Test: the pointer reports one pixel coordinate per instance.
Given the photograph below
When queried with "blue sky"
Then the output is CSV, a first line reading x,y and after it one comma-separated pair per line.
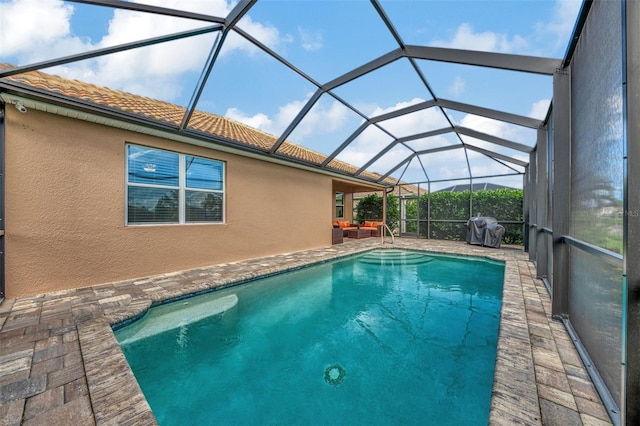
x,y
324,39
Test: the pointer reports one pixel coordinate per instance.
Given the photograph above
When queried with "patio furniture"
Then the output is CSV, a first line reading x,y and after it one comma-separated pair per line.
x,y
345,225
337,236
373,226
359,233
484,231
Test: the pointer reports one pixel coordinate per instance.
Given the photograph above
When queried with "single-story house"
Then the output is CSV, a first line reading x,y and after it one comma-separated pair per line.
x,y
90,199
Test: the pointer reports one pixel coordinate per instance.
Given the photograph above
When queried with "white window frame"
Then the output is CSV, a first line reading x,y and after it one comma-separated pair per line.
x,y
182,189
339,205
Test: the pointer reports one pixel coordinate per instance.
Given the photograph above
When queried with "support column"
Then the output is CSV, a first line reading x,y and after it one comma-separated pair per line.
x,y
533,213
428,210
548,239
561,198
542,188
631,104
525,208
2,228
471,197
385,194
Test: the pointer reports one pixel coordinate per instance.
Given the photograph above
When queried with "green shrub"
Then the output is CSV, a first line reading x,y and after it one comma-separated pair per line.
x,y
446,205
370,208
502,204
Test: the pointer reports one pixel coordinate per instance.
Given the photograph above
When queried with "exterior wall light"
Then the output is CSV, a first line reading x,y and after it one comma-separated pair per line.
x,y
20,107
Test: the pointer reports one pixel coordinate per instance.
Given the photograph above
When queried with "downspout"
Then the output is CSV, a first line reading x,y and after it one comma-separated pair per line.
x,y
384,205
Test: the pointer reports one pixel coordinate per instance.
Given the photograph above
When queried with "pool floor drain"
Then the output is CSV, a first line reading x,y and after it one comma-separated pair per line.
x,y
334,374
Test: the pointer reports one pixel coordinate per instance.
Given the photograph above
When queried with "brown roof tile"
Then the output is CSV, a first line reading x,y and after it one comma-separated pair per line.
x,y
204,122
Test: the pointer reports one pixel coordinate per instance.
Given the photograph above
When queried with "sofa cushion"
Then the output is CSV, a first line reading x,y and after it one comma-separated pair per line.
x,y
371,224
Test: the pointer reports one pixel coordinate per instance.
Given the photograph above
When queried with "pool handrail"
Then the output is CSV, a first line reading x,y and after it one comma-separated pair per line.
x,y
385,226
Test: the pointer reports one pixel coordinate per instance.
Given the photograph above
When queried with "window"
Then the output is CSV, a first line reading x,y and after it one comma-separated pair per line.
x,y
168,187
339,205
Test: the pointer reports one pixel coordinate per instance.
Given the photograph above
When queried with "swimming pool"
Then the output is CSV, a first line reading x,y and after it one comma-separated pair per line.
x,y
388,337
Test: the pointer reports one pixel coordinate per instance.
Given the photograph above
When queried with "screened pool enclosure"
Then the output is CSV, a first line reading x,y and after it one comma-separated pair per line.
x,y
377,102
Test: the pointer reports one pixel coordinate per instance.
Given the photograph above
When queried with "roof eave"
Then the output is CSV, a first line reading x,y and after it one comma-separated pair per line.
x,y
53,103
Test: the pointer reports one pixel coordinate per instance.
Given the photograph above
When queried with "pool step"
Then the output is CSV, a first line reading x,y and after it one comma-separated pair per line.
x,y
395,258
185,314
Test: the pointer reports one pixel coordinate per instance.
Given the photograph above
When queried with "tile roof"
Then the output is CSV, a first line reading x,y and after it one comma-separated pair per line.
x,y
165,112
402,189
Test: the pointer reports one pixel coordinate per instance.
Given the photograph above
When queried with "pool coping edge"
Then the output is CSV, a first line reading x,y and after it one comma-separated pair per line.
x,y
503,404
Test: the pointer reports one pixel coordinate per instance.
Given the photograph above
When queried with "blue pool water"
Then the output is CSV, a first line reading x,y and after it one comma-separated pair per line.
x,y
384,338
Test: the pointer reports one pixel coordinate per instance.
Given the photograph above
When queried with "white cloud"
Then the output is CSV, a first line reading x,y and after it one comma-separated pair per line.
x,y
378,110
323,118
539,109
485,125
266,34
488,41
446,165
449,164
453,164
482,165
553,33
36,30
372,140
155,71
457,86
311,41
257,121
539,40
368,144
562,21
417,122
499,129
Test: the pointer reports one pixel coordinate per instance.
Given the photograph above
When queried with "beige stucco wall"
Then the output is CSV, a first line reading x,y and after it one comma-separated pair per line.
x,y
65,209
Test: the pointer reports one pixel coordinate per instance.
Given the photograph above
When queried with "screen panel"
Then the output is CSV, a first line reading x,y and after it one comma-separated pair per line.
x,y
595,287
595,312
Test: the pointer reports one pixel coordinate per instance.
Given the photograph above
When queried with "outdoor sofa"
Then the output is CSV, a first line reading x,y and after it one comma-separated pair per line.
x,y
346,226
374,227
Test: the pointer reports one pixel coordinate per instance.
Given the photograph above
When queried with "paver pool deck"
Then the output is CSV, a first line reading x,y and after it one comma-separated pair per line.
x,y
60,363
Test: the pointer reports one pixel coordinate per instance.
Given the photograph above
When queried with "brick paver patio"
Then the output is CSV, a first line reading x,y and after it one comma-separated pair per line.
x,y
61,365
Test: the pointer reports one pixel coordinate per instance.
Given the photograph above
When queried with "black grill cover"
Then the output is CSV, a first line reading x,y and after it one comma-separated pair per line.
x,y
484,231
